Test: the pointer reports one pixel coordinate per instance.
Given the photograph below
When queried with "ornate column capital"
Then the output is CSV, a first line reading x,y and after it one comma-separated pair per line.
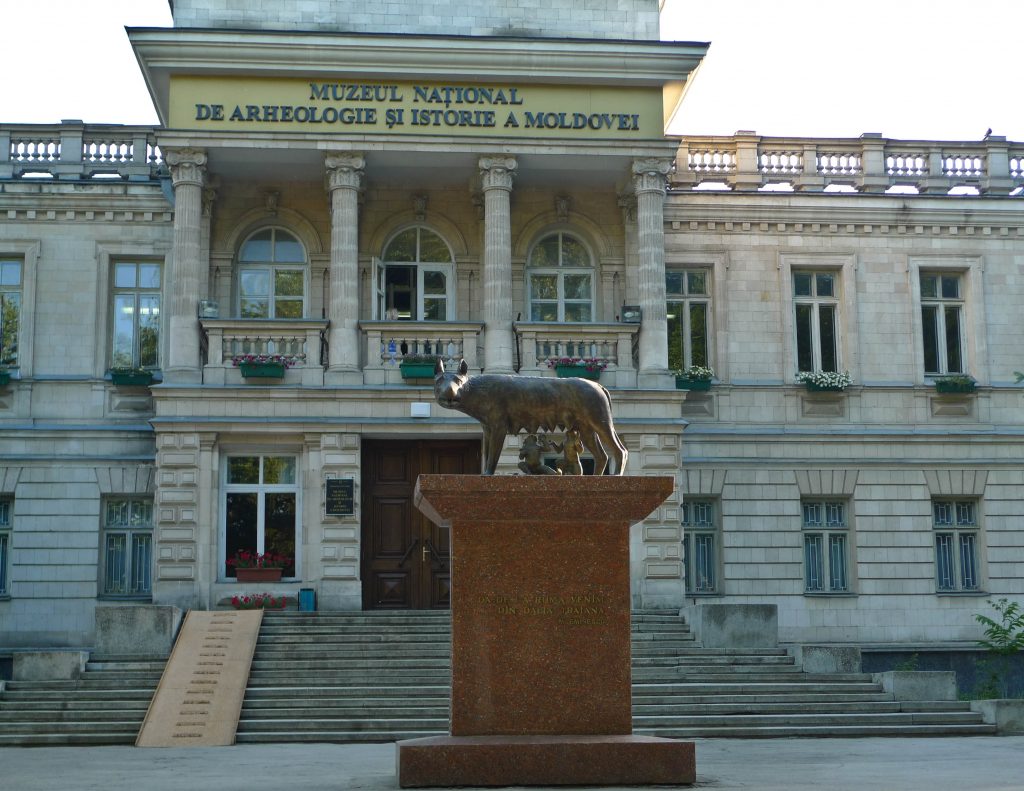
x,y
497,172
649,175
344,170
187,165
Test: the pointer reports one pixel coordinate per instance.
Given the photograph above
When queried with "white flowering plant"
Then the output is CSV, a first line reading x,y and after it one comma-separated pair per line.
x,y
696,373
261,359
830,379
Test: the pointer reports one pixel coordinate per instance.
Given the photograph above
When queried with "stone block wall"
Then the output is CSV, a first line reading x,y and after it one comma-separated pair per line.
x,y
600,19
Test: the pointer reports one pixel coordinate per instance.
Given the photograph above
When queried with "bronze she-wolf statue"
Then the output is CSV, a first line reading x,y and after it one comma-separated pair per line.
x,y
509,404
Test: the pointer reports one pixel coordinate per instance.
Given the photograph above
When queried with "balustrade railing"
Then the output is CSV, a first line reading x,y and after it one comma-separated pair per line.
x,y
611,344
869,163
73,150
387,343
302,341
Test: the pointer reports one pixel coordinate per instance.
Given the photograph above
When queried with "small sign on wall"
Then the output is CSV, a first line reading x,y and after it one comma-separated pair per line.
x,y
341,496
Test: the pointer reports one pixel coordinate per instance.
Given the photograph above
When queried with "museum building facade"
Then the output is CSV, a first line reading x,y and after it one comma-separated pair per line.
x,y
340,193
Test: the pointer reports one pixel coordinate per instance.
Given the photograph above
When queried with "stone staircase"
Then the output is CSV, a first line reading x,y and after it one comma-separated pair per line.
x,y
105,706
384,676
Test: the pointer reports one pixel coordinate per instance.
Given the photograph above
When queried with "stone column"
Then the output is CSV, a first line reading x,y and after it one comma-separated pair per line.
x,y
496,180
188,170
344,178
649,185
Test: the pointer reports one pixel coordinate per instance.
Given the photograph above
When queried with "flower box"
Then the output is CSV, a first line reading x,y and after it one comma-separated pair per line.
x,y
816,388
267,370
131,378
685,383
5,378
417,370
946,386
258,574
570,369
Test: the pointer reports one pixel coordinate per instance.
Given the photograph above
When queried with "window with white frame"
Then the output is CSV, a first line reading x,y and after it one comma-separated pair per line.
x,y
260,508
816,320
689,315
6,506
560,280
942,323
415,277
127,546
136,321
956,545
826,542
272,276
11,271
700,546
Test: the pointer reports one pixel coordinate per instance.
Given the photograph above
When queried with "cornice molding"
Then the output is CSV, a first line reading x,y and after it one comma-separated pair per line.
x,y
165,51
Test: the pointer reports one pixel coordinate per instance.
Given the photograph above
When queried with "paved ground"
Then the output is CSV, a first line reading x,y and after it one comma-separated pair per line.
x,y
943,764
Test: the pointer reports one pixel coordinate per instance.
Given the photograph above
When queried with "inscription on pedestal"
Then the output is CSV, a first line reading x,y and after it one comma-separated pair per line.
x,y
571,609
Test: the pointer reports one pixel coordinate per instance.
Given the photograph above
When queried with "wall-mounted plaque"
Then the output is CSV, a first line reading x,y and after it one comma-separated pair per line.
x,y
341,496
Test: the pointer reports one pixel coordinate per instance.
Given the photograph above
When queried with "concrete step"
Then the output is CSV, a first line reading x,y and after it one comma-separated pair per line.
x,y
96,738
293,709
310,725
333,737
255,692
767,720
641,710
121,714
806,731
140,703
125,668
75,727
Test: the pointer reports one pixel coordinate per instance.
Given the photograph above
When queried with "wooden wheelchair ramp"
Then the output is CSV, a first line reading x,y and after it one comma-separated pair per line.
x,y
199,699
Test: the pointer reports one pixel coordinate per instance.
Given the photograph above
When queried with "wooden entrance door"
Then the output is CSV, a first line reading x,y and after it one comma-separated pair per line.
x,y
406,558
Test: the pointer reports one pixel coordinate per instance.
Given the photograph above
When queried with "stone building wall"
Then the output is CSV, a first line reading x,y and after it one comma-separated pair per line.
x,y
609,19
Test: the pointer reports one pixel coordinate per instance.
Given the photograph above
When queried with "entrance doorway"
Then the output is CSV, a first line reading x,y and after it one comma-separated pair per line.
x,y
406,563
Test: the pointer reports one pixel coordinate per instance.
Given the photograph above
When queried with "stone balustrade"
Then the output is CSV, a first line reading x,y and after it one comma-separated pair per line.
x,y
387,343
302,341
73,150
540,342
870,163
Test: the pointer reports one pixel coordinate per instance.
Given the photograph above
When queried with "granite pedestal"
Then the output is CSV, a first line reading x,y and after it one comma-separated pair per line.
x,y
541,687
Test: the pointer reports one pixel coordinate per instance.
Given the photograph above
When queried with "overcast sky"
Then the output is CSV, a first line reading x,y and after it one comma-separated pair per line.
x,y
912,69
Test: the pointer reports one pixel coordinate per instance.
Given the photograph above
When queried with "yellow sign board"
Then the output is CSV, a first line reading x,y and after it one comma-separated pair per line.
x,y
251,104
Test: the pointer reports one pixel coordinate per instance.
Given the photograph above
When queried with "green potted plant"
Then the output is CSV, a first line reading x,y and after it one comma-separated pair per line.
x,y
127,376
258,567
696,377
418,366
262,366
955,383
582,367
825,381
5,377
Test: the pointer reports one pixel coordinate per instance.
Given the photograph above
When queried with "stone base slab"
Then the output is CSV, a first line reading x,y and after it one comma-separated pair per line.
x,y
445,761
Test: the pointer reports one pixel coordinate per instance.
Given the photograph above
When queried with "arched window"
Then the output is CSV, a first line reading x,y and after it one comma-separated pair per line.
x,y
414,279
272,276
560,280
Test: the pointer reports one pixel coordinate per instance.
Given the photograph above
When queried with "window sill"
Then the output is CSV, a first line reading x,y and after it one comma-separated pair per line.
x,y
139,599
5,597
832,594
704,595
963,594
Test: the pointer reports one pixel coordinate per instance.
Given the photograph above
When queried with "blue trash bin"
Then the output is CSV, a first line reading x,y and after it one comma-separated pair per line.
x,y
307,600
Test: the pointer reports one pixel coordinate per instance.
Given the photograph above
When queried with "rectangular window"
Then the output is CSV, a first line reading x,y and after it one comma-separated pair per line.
x,y
5,546
826,534
136,322
816,307
689,314
956,545
700,541
260,508
942,329
10,310
127,546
